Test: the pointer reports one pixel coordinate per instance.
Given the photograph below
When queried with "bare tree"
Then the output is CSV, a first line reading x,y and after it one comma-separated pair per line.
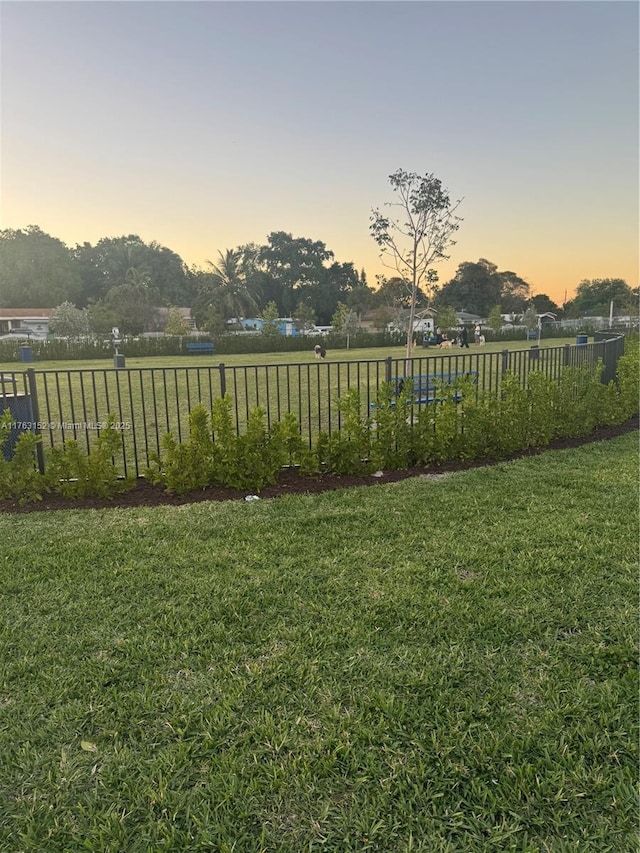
x,y
420,236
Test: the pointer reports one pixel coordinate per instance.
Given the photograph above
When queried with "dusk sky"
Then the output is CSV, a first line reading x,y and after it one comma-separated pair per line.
x,y
205,125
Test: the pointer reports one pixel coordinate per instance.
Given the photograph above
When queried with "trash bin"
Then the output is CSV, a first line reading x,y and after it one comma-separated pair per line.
x,y
22,415
25,354
118,361
582,339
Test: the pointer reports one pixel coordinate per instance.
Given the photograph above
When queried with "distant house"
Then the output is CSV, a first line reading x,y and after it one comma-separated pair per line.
x,y
464,318
285,325
374,319
423,321
185,314
34,320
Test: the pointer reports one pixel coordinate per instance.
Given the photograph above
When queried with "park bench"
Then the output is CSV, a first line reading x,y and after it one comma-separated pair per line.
x,y
424,389
199,347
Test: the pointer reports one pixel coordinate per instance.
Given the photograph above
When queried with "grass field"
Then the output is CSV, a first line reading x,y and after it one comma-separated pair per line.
x,y
435,665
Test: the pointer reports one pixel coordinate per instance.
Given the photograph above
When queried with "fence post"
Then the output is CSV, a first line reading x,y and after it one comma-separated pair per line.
x,y
35,408
566,355
387,369
505,361
223,379
612,350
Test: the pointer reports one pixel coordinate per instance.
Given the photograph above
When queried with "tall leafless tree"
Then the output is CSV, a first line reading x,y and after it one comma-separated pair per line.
x,y
419,237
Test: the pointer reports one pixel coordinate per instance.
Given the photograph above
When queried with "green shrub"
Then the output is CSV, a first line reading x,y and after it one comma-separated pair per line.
x,y
214,454
72,472
184,467
628,379
392,429
348,450
20,479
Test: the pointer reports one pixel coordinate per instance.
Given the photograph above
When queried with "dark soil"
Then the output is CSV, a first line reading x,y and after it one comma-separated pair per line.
x,y
291,483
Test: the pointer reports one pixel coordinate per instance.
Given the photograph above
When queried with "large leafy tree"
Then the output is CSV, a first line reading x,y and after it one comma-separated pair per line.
x,y
332,287
288,270
93,276
514,292
36,270
396,293
594,296
102,318
421,234
293,265
478,287
544,304
228,286
134,303
108,263
361,297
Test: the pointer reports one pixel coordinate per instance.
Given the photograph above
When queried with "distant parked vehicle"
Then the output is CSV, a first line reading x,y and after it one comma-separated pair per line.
x,y
21,335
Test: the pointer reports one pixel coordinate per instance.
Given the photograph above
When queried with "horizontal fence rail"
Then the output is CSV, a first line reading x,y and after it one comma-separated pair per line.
x,y
148,402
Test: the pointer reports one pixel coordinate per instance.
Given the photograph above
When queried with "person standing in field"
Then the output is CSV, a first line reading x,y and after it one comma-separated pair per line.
x,y
464,338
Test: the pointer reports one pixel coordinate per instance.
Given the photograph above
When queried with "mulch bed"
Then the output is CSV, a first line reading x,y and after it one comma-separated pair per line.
x,y
291,483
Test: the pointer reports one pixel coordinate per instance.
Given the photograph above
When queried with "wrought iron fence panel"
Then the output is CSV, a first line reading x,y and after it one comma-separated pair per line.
x,y
148,402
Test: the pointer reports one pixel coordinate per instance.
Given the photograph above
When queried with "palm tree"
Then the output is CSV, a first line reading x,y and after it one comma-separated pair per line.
x,y
231,289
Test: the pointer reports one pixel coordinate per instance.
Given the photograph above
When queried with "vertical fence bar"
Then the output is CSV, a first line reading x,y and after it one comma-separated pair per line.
x,y
163,375
154,398
133,424
121,419
145,428
35,410
268,393
505,361
309,404
84,410
278,410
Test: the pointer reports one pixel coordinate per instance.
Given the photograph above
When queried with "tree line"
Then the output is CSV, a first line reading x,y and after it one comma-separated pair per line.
x,y
125,282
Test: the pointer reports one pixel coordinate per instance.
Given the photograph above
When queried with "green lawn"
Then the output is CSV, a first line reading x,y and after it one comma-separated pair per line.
x,y
435,665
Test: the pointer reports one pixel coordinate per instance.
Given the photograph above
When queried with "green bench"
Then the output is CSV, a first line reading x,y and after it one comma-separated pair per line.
x,y
200,347
424,389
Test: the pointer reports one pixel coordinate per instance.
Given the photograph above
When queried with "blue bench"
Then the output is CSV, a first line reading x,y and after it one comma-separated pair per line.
x,y
199,348
424,389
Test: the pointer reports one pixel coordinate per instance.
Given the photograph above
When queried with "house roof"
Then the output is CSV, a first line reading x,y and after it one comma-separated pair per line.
x,y
465,316
25,313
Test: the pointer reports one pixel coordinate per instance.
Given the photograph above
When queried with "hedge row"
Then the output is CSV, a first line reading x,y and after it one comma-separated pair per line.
x,y
65,350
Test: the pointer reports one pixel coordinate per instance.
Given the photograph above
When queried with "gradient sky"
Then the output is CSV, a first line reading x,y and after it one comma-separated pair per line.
x,y
206,125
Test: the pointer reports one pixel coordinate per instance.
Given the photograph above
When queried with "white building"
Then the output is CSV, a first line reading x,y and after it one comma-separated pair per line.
x,y
34,320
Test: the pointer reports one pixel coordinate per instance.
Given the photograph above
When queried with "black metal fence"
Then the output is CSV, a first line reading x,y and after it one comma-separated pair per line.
x,y
148,402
